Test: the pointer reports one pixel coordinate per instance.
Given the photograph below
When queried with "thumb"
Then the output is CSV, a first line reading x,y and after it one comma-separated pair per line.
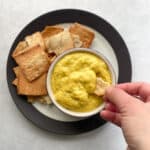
x,y
119,98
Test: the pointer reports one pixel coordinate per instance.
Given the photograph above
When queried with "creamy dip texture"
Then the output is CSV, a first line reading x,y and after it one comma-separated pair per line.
x,y
73,81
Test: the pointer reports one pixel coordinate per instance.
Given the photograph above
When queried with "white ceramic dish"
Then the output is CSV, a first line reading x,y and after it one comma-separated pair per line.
x,y
50,92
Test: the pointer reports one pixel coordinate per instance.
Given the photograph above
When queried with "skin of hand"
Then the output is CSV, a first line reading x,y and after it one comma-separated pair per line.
x,y
128,106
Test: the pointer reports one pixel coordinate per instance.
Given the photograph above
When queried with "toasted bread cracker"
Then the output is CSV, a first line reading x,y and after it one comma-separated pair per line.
x,y
86,36
15,82
60,42
21,47
42,99
35,39
35,88
46,100
33,62
101,86
51,30
32,99
76,40
16,70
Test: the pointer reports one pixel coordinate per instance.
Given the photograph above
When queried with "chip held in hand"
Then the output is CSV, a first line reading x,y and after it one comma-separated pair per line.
x,y
101,86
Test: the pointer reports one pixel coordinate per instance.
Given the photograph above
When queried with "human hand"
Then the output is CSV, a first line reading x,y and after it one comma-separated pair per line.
x,y
124,109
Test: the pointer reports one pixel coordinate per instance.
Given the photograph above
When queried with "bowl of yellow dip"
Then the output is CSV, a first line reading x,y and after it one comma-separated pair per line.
x,y
71,81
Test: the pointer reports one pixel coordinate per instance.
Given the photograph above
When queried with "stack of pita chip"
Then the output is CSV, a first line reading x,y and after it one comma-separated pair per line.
x,y
35,54
33,63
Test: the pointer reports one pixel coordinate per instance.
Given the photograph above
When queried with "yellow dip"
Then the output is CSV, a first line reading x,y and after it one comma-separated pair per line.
x,y
73,81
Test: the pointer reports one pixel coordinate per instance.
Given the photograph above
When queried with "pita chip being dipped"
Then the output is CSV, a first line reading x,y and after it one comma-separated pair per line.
x,y
101,86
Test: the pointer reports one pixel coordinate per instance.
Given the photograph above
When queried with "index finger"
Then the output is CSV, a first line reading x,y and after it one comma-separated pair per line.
x,y
119,98
136,88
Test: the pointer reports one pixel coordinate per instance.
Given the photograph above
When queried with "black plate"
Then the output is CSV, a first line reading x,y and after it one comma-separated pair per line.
x,y
66,16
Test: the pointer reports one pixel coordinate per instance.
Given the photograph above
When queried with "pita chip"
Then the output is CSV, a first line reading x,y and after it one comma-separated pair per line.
x,y
101,86
35,39
33,62
85,34
60,42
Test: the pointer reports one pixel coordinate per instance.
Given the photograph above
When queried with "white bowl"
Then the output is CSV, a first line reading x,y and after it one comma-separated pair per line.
x,y
50,92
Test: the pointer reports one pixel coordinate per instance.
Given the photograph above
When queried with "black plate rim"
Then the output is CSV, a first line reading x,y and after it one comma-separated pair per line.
x,y
79,126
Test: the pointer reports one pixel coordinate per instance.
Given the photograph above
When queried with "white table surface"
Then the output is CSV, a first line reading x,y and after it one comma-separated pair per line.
x,y
130,17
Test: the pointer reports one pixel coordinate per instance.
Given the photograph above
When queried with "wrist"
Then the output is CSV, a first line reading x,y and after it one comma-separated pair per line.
x,y
144,146
140,146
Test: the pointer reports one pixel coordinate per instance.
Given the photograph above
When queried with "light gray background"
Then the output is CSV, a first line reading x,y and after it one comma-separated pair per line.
x,y
130,17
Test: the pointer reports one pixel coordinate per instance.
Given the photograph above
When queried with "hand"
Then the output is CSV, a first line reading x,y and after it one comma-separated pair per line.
x,y
128,106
